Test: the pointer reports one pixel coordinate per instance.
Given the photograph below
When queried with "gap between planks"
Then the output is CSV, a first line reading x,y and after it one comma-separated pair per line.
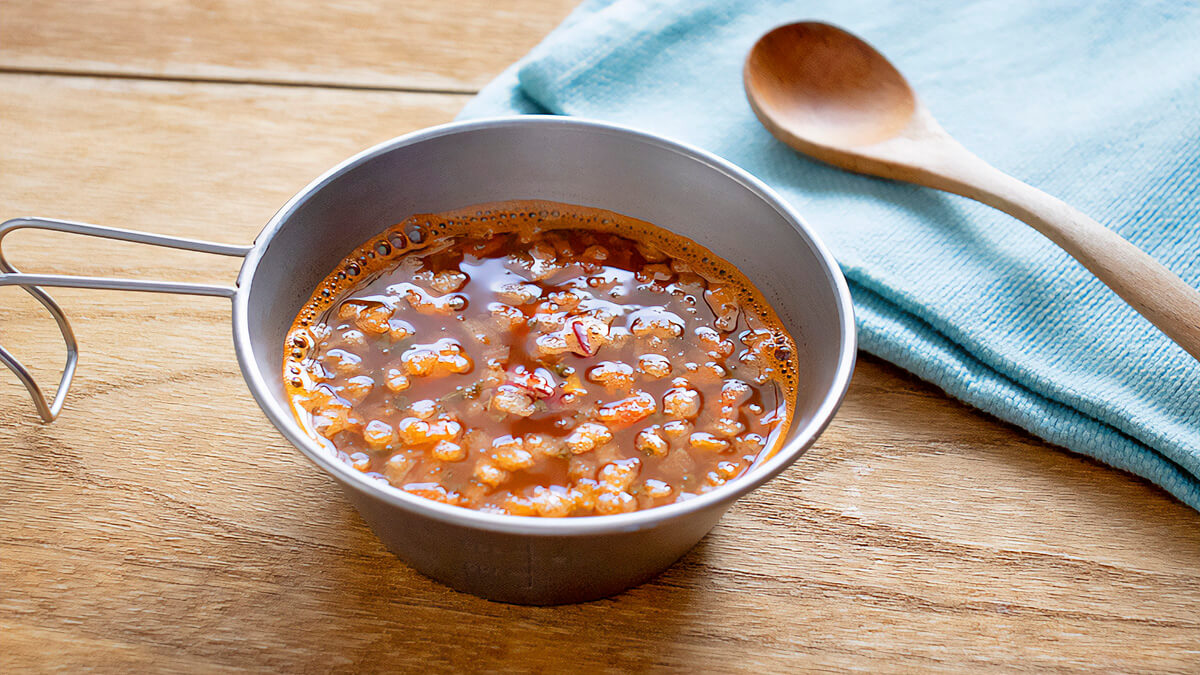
x,y
306,84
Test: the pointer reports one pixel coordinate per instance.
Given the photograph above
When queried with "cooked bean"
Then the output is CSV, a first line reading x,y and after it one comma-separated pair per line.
x,y
489,473
448,451
396,381
637,406
611,503
706,441
551,503
399,329
355,389
587,437
617,476
727,428
676,430
544,445
378,434
360,461
683,404
510,454
519,294
513,401
448,281
374,319
654,366
423,409
611,374
657,489
750,443
651,442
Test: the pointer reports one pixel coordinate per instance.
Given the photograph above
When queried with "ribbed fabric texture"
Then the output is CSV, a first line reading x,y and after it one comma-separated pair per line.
x,y
1095,102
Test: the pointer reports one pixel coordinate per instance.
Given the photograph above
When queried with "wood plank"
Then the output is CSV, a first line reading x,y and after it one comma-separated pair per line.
x,y
162,522
455,46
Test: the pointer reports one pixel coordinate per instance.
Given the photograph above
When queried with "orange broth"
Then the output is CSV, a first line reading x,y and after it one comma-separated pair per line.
x,y
541,359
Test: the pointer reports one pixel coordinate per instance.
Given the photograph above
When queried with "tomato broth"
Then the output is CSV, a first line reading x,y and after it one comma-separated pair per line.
x,y
541,359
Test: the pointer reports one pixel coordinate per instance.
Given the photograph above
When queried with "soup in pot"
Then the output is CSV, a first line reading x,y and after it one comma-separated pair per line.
x,y
541,359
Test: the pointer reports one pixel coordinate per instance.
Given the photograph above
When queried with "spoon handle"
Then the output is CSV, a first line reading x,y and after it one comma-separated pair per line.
x,y
1149,287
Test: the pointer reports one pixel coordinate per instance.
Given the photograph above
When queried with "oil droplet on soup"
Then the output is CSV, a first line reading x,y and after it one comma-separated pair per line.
x,y
540,359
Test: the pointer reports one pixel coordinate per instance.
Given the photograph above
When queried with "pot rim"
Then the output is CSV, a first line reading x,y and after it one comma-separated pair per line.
x,y
284,420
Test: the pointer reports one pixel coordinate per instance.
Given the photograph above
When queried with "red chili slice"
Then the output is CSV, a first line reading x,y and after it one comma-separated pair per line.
x,y
581,336
539,384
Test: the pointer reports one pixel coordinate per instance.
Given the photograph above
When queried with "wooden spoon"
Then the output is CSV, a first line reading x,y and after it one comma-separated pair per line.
x,y
833,97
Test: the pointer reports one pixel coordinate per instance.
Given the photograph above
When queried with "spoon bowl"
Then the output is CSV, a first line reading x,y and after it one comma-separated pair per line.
x,y
833,97
831,87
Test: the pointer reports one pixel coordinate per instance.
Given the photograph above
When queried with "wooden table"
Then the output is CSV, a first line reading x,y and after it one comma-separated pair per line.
x,y
163,524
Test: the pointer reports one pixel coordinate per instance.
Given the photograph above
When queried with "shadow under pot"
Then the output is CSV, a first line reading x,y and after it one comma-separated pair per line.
x,y
680,188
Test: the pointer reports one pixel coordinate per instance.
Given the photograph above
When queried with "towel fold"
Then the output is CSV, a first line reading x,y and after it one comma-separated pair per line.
x,y
1097,103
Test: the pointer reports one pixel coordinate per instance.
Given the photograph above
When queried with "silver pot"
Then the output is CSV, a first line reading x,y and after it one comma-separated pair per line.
x,y
681,188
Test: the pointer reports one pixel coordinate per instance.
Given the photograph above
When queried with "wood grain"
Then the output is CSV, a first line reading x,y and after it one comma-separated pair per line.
x,y
455,46
163,525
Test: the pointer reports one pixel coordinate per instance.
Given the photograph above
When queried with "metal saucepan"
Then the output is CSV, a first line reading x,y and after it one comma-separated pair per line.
x,y
681,188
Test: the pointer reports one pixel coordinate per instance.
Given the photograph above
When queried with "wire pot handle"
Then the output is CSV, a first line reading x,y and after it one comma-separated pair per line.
x,y
32,283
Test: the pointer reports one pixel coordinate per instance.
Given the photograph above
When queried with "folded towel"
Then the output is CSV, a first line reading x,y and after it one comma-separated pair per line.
x,y
1097,103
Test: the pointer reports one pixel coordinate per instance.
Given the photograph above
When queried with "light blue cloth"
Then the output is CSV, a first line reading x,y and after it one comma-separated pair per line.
x,y
1096,102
